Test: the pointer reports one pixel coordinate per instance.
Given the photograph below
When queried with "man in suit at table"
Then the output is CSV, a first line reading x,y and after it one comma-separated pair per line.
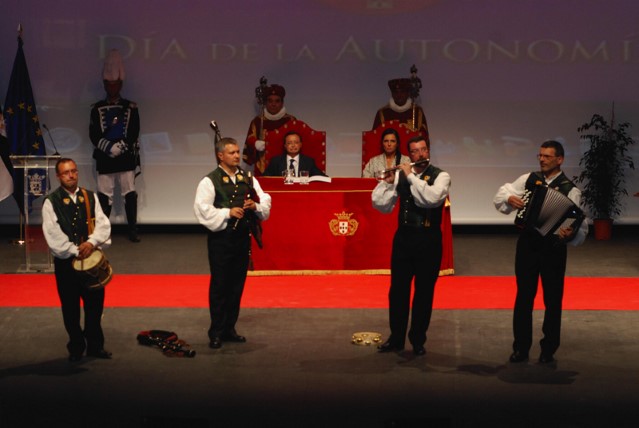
x,y
292,159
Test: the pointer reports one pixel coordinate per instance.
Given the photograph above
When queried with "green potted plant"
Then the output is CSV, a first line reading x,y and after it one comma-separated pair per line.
x,y
604,164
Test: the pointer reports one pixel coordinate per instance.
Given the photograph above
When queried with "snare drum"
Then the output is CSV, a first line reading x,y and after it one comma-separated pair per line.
x,y
96,268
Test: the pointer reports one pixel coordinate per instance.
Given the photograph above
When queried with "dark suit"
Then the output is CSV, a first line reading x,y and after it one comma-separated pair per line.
x,y
279,164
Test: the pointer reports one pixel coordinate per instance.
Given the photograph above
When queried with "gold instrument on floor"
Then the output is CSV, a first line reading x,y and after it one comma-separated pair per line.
x,y
366,338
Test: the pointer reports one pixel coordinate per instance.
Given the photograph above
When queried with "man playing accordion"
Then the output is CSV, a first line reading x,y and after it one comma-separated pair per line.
x,y
540,256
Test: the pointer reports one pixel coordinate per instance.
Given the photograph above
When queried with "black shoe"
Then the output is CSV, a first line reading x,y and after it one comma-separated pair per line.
x,y
233,337
133,236
546,358
518,357
419,350
389,346
74,358
100,353
215,343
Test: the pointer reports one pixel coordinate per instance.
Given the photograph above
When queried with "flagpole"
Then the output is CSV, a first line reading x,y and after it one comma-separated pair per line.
x,y
20,240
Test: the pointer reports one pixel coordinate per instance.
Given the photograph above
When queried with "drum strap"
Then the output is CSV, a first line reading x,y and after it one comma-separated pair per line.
x,y
90,224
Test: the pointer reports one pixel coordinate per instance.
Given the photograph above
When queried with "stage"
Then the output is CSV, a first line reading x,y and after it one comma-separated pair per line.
x,y
299,367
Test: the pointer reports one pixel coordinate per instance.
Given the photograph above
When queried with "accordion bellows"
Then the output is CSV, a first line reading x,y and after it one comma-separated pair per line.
x,y
547,210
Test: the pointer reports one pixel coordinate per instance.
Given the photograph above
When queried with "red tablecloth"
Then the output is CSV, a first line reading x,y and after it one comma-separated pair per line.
x,y
330,226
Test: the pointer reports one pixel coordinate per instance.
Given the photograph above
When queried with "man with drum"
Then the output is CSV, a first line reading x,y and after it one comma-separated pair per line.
x,y
540,256
68,214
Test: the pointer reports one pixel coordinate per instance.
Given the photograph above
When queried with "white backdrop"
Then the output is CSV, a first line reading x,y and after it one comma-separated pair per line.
x,y
499,77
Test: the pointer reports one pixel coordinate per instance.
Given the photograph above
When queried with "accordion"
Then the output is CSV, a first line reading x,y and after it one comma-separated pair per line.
x,y
547,210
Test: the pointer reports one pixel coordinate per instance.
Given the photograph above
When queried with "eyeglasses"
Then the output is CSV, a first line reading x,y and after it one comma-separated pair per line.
x,y
546,157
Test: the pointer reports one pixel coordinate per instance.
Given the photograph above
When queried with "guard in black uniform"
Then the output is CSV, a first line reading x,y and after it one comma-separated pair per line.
x,y
114,132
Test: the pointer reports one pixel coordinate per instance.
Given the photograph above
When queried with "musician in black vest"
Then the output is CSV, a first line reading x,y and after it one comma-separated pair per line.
x,y
417,245
538,256
65,227
226,201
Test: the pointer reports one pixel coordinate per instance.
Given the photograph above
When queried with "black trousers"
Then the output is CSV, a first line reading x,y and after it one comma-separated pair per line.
x,y
72,290
546,258
228,261
417,254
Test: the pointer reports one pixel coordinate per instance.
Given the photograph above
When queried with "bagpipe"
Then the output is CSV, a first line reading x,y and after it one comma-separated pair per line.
x,y
167,341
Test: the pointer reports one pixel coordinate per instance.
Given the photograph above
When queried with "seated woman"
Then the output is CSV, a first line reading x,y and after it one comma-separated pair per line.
x,y
389,158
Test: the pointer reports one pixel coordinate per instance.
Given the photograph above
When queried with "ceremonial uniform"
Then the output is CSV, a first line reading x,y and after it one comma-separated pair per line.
x,y
273,117
250,154
404,115
65,227
416,252
400,108
114,131
229,241
115,123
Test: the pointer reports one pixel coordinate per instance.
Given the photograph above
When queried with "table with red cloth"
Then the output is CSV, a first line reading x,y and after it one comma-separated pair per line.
x,y
331,227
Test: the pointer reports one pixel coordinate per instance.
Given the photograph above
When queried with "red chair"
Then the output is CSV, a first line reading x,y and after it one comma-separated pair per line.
x,y
371,146
313,142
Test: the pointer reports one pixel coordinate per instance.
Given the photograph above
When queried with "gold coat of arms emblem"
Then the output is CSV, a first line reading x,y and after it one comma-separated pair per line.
x,y
343,225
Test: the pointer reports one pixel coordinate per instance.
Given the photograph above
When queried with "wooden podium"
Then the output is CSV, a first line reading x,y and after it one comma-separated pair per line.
x,y
36,176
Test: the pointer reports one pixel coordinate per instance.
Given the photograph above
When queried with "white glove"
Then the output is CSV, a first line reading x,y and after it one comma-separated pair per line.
x,y
260,145
117,149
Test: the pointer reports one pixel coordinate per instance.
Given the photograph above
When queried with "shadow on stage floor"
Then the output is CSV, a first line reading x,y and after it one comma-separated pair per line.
x,y
299,368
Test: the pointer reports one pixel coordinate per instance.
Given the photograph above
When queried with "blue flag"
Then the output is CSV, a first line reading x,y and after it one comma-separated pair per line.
x,y
23,130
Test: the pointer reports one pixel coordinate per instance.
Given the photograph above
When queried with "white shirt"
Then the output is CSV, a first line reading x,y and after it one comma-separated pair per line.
x,y
216,219
517,188
385,195
59,243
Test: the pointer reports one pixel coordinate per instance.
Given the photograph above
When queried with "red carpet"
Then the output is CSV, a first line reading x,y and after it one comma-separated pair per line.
x,y
331,291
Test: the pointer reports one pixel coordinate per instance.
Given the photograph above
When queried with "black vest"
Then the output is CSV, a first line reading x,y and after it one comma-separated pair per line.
x,y
561,183
230,195
72,217
409,213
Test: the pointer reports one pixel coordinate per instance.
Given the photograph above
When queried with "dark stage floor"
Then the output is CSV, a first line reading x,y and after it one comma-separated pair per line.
x,y
298,368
